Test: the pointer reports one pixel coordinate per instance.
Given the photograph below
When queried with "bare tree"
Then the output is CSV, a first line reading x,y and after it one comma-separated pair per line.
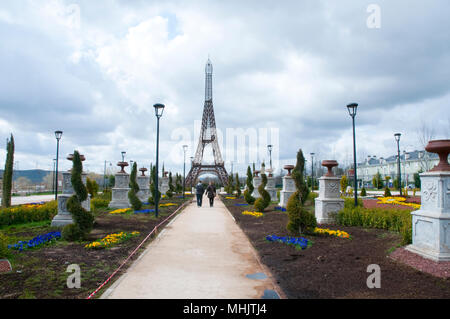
x,y
425,133
23,183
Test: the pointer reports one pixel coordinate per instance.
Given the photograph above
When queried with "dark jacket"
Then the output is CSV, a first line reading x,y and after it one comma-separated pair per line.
x,y
199,190
211,191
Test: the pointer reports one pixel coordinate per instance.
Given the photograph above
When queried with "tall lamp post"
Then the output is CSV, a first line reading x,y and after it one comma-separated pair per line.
x,y
352,111
58,135
269,148
184,168
159,109
53,176
312,172
397,138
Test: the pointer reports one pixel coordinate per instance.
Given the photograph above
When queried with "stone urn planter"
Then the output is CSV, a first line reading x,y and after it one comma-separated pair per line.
x,y
121,188
431,223
64,217
329,200
288,186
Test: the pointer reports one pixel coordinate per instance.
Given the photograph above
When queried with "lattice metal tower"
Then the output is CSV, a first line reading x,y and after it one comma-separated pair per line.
x,y
208,135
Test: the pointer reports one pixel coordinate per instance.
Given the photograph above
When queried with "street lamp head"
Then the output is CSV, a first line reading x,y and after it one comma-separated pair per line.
x,y
352,109
185,147
397,136
269,147
159,109
312,154
58,135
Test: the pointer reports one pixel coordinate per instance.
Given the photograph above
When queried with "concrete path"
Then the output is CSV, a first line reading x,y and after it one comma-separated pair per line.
x,y
19,200
201,254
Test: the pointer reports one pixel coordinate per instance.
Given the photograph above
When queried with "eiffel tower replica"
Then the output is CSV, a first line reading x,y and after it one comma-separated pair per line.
x,y
208,135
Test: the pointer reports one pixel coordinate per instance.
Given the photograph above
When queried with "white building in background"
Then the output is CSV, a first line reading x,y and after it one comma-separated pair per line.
x,y
410,163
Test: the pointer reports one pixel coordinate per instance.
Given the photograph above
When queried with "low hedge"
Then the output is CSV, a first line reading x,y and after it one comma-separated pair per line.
x,y
382,218
28,213
99,203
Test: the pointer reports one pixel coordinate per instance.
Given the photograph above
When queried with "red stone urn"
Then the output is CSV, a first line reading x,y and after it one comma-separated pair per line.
x,y
122,165
256,173
329,164
289,168
143,170
442,148
70,157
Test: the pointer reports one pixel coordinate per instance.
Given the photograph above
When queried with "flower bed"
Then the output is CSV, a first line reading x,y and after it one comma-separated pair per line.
x,y
33,212
36,241
144,211
337,233
297,242
240,204
230,197
111,240
254,214
281,209
120,211
167,205
397,201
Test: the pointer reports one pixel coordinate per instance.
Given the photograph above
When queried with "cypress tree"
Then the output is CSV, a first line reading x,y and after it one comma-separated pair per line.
x,y
8,173
249,190
134,189
151,199
238,186
83,220
262,202
171,189
300,220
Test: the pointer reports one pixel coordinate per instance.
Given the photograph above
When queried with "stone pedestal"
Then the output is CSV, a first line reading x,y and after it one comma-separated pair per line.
x,y
329,200
144,187
120,191
164,186
271,189
256,182
64,217
288,189
431,224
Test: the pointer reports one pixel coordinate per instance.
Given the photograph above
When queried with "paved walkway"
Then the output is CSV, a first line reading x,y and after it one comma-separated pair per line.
x,y
201,254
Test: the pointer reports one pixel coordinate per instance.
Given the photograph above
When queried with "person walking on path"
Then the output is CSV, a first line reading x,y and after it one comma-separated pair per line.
x,y
199,190
211,193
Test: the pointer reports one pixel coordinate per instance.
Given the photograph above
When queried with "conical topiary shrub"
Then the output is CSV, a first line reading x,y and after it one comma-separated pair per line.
x,y
238,186
250,188
83,220
300,219
262,202
134,189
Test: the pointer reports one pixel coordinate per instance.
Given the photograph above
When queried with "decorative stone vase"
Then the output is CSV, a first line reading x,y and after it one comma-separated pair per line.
x,y
288,186
431,223
270,187
256,182
164,186
329,200
121,188
143,182
64,217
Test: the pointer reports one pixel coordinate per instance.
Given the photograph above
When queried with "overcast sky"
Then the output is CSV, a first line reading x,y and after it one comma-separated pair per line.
x,y
93,69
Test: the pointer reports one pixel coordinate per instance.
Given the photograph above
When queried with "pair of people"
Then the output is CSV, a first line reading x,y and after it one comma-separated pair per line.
x,y
210,192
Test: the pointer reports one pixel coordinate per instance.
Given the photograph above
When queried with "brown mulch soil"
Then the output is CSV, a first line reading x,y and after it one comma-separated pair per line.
x,y
41,273
335,267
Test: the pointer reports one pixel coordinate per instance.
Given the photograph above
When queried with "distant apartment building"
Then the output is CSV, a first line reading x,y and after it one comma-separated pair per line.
x,y
410,163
